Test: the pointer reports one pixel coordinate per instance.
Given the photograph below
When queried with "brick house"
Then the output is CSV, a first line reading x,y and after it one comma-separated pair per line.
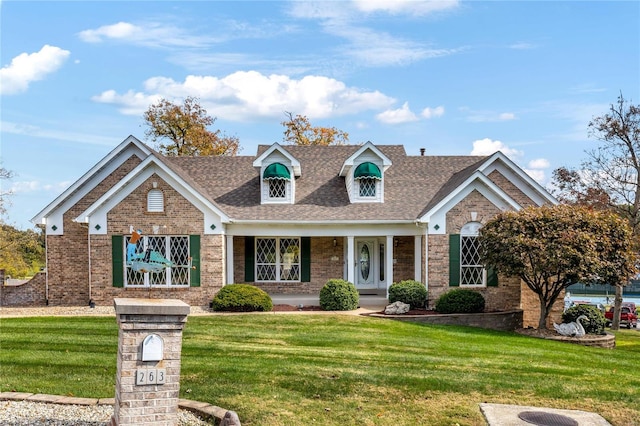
x,y
286,220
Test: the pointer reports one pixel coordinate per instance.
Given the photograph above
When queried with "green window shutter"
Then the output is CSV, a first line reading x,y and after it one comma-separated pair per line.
x,y
454,260
305,259
194,252
492,277
249,259
117,260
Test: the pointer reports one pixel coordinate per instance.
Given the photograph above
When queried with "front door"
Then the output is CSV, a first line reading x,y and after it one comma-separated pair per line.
x,y
366,264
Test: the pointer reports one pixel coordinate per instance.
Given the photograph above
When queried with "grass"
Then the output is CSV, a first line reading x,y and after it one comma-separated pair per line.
x,y
336,369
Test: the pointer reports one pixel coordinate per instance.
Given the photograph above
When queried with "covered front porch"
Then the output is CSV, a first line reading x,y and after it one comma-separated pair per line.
x,y
282,262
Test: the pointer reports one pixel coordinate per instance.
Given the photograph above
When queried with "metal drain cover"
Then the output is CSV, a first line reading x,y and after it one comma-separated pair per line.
x,y
540,418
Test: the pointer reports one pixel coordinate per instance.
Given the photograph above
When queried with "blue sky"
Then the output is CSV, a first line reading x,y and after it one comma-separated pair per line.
x,y
453,77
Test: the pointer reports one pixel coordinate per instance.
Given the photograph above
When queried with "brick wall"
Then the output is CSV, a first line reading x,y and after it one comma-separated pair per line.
x,y
326,262
506,296
513,191
531,308
403,255
68,254
179,218
31,293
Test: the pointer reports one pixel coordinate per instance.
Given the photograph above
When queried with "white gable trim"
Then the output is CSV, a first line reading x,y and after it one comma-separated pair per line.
x,y
52,215
295,164
349,162
437,216
525,183
96,214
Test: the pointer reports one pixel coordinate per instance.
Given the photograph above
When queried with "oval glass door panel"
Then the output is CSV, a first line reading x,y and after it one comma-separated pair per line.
x,y
365,263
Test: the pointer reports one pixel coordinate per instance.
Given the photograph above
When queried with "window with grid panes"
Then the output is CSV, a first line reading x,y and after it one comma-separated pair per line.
x,y
277,188
277,259
174,248
367,187
472,272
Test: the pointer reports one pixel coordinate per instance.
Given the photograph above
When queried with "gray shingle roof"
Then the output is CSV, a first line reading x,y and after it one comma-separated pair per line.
x,y
411,184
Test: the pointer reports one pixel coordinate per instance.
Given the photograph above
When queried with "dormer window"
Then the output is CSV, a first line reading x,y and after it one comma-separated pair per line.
x,y
367,177
277,182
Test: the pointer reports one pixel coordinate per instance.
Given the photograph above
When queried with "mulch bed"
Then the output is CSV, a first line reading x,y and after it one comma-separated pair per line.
x,y
291,308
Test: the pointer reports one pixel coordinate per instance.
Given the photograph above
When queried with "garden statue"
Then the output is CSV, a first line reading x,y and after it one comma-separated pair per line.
x,y
572,329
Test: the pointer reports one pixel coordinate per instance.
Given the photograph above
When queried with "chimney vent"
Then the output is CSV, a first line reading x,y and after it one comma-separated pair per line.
x,y
422,151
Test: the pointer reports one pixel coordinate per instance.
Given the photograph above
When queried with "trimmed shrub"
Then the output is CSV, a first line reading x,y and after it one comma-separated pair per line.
x,y
411,292
339,295
596,322
241,298
460,301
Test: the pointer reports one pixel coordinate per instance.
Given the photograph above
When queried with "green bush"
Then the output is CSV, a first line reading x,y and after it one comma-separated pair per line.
x,y
339,295
411,292
596,322
460,301
241,298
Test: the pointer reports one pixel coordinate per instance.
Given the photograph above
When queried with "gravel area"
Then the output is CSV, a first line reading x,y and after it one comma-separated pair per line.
x,y
25,413
12,312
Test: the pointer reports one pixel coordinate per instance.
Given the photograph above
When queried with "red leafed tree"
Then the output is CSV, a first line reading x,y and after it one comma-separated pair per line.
x,y
553,247
609,179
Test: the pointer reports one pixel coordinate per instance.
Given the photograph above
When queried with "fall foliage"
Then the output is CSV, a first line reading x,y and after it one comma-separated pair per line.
x,y
298,131
553,247
185,128
609,179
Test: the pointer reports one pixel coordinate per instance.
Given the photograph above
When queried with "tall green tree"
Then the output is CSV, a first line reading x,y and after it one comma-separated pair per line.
x,y
609,179
181,130
299,131
553,247
21,252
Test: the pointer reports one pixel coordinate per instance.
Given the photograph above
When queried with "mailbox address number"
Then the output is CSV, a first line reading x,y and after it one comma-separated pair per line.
x,y
151,376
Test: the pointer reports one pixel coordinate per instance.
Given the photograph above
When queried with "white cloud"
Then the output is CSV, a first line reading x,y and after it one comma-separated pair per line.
x,y
506,116
22,187
487,146
397,116
29,67
368,46
488,116
537,175
522,46
152,34
247,94
539,163
48,133
410,7
433,112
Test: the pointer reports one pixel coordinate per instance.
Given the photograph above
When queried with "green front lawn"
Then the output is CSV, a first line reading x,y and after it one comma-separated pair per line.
x,y
336,369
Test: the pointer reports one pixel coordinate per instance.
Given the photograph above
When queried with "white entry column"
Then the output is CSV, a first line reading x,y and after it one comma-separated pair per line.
x,y
417,258
229,260
351,260
388,260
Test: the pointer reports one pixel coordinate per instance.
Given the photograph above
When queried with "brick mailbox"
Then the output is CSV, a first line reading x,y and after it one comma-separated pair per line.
x,y
148,368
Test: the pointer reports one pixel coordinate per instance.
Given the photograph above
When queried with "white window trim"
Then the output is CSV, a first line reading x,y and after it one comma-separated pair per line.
x,y
471,230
